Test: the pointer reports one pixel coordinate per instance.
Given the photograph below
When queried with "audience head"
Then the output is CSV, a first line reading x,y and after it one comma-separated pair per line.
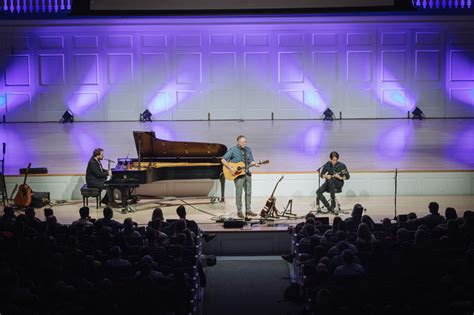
x,y
348,256
181,212
84,212
363,232
422,238
311,221
51,221
115,252
150,235
180,226
308,230
155,224
336,222
433,207
157,214
48,212
468,214
128,224
357,211
309,215
181,239
403,235
450,214
454,230
387,224
368,220
341,236
30,212
9,211
412,216
108,213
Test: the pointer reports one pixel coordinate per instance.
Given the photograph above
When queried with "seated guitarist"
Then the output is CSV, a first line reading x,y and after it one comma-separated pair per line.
x,y
335,173
241,153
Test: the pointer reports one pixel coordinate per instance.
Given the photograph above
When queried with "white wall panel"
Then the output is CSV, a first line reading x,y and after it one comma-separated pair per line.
x,y
233,69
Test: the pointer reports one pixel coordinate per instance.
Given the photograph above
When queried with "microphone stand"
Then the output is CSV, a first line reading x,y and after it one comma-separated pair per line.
x,y
3,184
395,197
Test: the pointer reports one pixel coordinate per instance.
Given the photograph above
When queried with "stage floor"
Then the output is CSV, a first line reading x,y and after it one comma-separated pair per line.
x,y
203,212
292,146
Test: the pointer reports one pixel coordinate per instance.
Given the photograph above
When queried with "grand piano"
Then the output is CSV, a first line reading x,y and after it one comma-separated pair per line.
x,y
160,159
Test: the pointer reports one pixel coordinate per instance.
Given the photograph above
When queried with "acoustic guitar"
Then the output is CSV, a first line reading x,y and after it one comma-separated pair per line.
x,y
23,196
270,210
240,169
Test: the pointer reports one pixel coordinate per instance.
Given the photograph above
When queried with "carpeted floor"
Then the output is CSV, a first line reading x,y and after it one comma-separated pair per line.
x,y
248,285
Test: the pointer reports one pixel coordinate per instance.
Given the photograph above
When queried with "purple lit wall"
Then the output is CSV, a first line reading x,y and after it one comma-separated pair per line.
x,y
237,67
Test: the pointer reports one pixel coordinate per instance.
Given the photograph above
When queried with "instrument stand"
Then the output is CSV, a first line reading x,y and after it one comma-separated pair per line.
x,y
288,210
395,196
272,213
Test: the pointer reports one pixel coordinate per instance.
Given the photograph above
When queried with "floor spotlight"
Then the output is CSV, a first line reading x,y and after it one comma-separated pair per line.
x,y
418,114
328,115
145,116
67,117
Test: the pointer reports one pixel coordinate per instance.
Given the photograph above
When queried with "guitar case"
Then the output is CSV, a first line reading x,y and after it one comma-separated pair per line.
x,y
40,199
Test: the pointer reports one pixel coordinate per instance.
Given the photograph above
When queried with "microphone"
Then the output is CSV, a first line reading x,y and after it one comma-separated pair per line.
x,y
110,161
4,148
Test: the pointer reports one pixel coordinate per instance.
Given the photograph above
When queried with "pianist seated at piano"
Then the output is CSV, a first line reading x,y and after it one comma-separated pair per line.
x,y
96,177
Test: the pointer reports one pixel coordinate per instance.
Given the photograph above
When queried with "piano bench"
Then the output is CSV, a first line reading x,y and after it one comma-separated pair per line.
x,y
90,192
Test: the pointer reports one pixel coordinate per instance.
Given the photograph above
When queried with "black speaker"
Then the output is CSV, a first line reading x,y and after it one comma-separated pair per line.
x,y
40,199
322,220
34,170
234,224
80,7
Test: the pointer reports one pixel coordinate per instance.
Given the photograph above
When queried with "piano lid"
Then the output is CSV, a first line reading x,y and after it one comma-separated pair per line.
x,y
149,147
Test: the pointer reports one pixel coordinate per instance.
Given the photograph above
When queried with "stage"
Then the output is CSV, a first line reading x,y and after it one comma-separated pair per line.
x,y
434,158
292,146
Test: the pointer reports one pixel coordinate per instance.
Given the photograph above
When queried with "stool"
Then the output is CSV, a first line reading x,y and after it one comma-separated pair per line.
x,y
90,192
338,205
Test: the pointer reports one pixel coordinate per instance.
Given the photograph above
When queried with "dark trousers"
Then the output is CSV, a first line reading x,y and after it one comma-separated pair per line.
x,y
109,195
330,186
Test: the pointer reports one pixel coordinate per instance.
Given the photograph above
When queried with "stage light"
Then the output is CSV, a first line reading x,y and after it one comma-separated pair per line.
x,y
418,114
67,117
328,115
145,116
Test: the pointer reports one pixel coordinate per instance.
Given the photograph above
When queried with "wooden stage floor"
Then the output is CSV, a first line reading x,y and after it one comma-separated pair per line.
x,y
292,146
203,212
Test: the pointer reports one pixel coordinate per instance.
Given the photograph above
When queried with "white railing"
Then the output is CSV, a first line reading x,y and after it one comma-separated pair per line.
x,y
442,4
36,6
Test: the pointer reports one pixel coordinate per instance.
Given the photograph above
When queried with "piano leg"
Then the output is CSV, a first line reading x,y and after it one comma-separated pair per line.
x,y
222,180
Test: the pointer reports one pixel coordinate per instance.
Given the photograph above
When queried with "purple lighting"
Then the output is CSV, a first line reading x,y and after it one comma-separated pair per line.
x,y
162,131
312,138
394,142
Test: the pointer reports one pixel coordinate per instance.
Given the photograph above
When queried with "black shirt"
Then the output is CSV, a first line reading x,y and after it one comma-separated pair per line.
x,y
340,168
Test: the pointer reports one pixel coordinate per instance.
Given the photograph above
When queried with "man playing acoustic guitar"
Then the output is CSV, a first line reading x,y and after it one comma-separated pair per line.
x,y
335,173
241,153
